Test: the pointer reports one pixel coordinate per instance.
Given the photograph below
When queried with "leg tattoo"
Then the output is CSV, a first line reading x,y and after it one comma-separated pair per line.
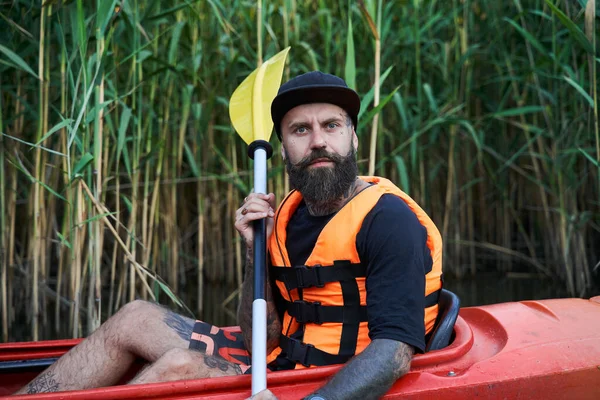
x,y
214,362
181,325
44,383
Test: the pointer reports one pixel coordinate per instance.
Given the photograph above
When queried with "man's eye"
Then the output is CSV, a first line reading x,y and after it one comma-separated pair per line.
x,y
332,125
301,130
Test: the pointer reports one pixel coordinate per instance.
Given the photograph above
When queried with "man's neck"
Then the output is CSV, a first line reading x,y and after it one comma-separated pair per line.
x,y
319,209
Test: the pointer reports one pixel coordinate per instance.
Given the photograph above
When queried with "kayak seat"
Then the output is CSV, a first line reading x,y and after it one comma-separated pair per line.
x,y
443,330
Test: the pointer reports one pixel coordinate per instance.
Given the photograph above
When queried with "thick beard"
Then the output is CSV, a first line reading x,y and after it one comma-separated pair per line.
x,y
321,186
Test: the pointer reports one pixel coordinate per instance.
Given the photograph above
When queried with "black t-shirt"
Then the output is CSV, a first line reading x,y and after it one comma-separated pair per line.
x,y
392,243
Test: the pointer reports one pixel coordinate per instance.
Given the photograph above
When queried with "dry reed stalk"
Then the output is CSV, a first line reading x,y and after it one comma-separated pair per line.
x,y
131,244
77,265
200,295
216,271
146,233
585,267
49,228
506,233
64,250
564,242
137,109
232,205
172,238
174,243
450,180
149,215
97,242
376,32
152,215
590,32
12,201
286,22
113,272
38,202
3,233
121,289
112,297
11,256
471,232
259,19
46,174
171,170
235,242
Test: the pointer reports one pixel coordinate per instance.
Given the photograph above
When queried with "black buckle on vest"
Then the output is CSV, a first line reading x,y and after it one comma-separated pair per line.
x,y
308,276
306,311
299,352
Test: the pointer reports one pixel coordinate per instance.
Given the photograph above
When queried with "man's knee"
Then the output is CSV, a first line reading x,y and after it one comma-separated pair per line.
x,y
137,308
129,321
135,313
178,362
188,364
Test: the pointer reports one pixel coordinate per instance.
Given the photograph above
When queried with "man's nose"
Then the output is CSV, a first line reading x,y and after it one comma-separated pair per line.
x,y
318,139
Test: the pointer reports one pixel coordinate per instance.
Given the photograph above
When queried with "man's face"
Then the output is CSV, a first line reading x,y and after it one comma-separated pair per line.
x,y
319,146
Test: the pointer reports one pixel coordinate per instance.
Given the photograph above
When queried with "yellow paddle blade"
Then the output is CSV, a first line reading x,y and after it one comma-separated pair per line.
x,y
250,104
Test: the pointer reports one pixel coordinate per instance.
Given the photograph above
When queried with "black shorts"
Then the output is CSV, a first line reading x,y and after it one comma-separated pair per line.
x,y
227,344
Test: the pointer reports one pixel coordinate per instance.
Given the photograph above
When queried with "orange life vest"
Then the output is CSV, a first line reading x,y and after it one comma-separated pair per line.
x,y
328,295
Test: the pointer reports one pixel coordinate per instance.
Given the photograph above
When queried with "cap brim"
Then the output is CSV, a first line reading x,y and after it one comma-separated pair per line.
x,y
342,97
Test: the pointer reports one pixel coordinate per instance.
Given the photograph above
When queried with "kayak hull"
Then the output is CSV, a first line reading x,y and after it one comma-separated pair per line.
x,y
546,349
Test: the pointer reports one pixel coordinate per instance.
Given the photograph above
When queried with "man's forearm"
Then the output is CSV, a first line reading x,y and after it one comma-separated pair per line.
x,y
370,374
245,308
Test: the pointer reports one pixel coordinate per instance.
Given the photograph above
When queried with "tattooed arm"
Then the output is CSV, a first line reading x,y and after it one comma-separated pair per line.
x,y
245,309
370,374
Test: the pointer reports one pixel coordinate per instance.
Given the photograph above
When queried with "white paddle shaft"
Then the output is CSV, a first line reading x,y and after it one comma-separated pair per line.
x,y
259,305
260,170
259,345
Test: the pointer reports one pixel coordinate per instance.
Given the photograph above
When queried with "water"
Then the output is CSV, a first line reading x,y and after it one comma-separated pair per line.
x,y
493,287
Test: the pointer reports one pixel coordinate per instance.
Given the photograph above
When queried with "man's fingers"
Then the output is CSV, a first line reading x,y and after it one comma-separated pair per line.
x,y
254,204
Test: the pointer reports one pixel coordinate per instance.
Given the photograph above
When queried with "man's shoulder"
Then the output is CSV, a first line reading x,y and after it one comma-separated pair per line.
x,y
391,204
390,214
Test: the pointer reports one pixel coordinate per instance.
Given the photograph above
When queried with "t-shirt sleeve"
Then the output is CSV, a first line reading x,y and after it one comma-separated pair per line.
x,y
393,244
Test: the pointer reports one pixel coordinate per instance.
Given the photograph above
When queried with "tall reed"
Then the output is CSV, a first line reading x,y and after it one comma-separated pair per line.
x,y
120,173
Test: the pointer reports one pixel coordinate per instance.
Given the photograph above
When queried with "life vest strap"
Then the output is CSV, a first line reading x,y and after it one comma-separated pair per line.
x,y
313,312
432,298
302,276
307,354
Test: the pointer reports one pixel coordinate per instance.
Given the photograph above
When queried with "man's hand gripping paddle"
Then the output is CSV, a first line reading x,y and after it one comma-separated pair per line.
x,y
250,113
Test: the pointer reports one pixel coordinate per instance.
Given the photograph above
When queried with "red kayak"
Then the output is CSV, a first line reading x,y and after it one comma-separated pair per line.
x,y
546,349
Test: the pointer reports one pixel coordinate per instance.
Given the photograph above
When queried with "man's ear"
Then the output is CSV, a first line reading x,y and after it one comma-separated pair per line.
x,y
354,139
282,152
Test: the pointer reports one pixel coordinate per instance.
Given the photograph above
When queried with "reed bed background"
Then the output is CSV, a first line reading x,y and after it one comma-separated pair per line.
x,y
120,172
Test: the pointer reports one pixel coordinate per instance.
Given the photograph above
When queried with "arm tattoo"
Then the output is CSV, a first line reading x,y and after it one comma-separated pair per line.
x,y
44,383
214,362
245,309
181,325
370,374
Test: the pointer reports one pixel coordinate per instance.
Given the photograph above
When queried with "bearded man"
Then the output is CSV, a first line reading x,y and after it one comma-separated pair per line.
x,y
354,274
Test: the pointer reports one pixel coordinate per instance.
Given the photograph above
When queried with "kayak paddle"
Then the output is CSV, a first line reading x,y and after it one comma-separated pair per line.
x,y
250,114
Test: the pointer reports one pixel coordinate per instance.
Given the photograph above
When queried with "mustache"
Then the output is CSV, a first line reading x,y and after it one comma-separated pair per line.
x,y
318,154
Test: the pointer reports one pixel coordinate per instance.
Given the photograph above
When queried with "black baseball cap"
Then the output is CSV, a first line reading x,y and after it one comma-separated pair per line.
x,y
314,87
